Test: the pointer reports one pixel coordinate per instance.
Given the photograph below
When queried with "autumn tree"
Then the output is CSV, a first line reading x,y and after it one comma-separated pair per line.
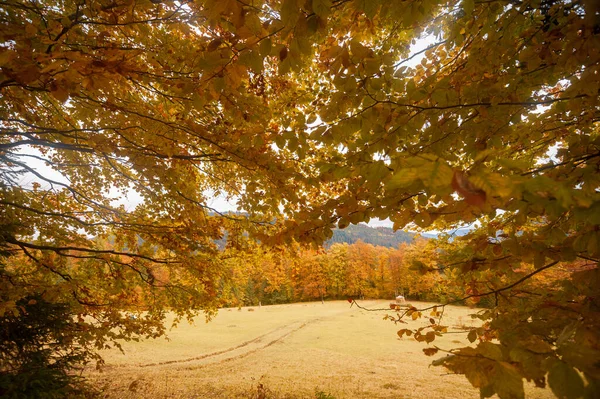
x,y
398,270
310,115
263,275
310,276
423,278
336,266
165,101
497,122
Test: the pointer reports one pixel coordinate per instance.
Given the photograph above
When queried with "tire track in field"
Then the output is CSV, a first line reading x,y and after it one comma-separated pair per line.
x,y
289,330
241,350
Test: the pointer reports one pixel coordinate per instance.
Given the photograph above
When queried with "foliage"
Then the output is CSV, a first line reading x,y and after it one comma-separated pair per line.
x,y
343,271
39,352
101,100
311,115
323,395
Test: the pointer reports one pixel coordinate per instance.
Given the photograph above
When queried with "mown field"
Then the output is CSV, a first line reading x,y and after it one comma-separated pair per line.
x,y
304,350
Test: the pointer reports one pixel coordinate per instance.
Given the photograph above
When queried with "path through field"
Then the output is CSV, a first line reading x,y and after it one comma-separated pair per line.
x,y
288,351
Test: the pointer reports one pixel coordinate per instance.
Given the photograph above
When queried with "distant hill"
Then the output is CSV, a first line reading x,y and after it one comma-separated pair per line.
x,y
456,233
379,236
382,236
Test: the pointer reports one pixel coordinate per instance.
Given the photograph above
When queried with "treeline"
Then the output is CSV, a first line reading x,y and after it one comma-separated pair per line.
x,y
358,270
378,236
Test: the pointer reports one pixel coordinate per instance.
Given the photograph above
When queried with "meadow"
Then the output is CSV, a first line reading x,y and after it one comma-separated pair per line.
x,y
302,350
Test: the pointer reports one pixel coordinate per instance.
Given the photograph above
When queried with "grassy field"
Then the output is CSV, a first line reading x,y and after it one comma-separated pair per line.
x,y
304,350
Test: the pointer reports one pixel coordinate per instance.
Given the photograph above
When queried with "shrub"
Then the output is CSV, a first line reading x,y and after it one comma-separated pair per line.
x,y
323,395
38,355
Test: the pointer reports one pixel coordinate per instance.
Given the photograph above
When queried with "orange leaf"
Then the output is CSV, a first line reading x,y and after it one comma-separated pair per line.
x,y
212,46
430,351
283,54
463,186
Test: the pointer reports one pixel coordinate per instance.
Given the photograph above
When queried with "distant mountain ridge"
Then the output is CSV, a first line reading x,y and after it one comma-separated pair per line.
x,y
455,233
382,236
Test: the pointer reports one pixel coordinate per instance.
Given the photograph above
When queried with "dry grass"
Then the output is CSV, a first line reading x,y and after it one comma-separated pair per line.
x,y
288,351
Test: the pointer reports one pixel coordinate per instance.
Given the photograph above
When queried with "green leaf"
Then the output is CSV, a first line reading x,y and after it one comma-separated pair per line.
x,y
253,60
303,46
265,47
279,141
404,178
439,97
508,383
369,7
565,382
358,50
375,171
468,6
478,372
518,165
494,184
592,389
321,7
472,336
289,12
486,391
440,177
490,350
341,173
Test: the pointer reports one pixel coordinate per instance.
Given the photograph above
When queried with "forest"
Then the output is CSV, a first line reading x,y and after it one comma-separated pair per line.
x,y
123,122
341,272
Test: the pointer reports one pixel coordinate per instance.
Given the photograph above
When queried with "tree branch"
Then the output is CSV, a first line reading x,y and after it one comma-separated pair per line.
x,y
493,292
60,250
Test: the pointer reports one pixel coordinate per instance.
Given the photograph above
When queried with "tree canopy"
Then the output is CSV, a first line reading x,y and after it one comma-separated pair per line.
x,y
310,114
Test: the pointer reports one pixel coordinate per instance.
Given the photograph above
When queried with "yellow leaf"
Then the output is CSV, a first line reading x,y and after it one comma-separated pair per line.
x,y
358,50
403,178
